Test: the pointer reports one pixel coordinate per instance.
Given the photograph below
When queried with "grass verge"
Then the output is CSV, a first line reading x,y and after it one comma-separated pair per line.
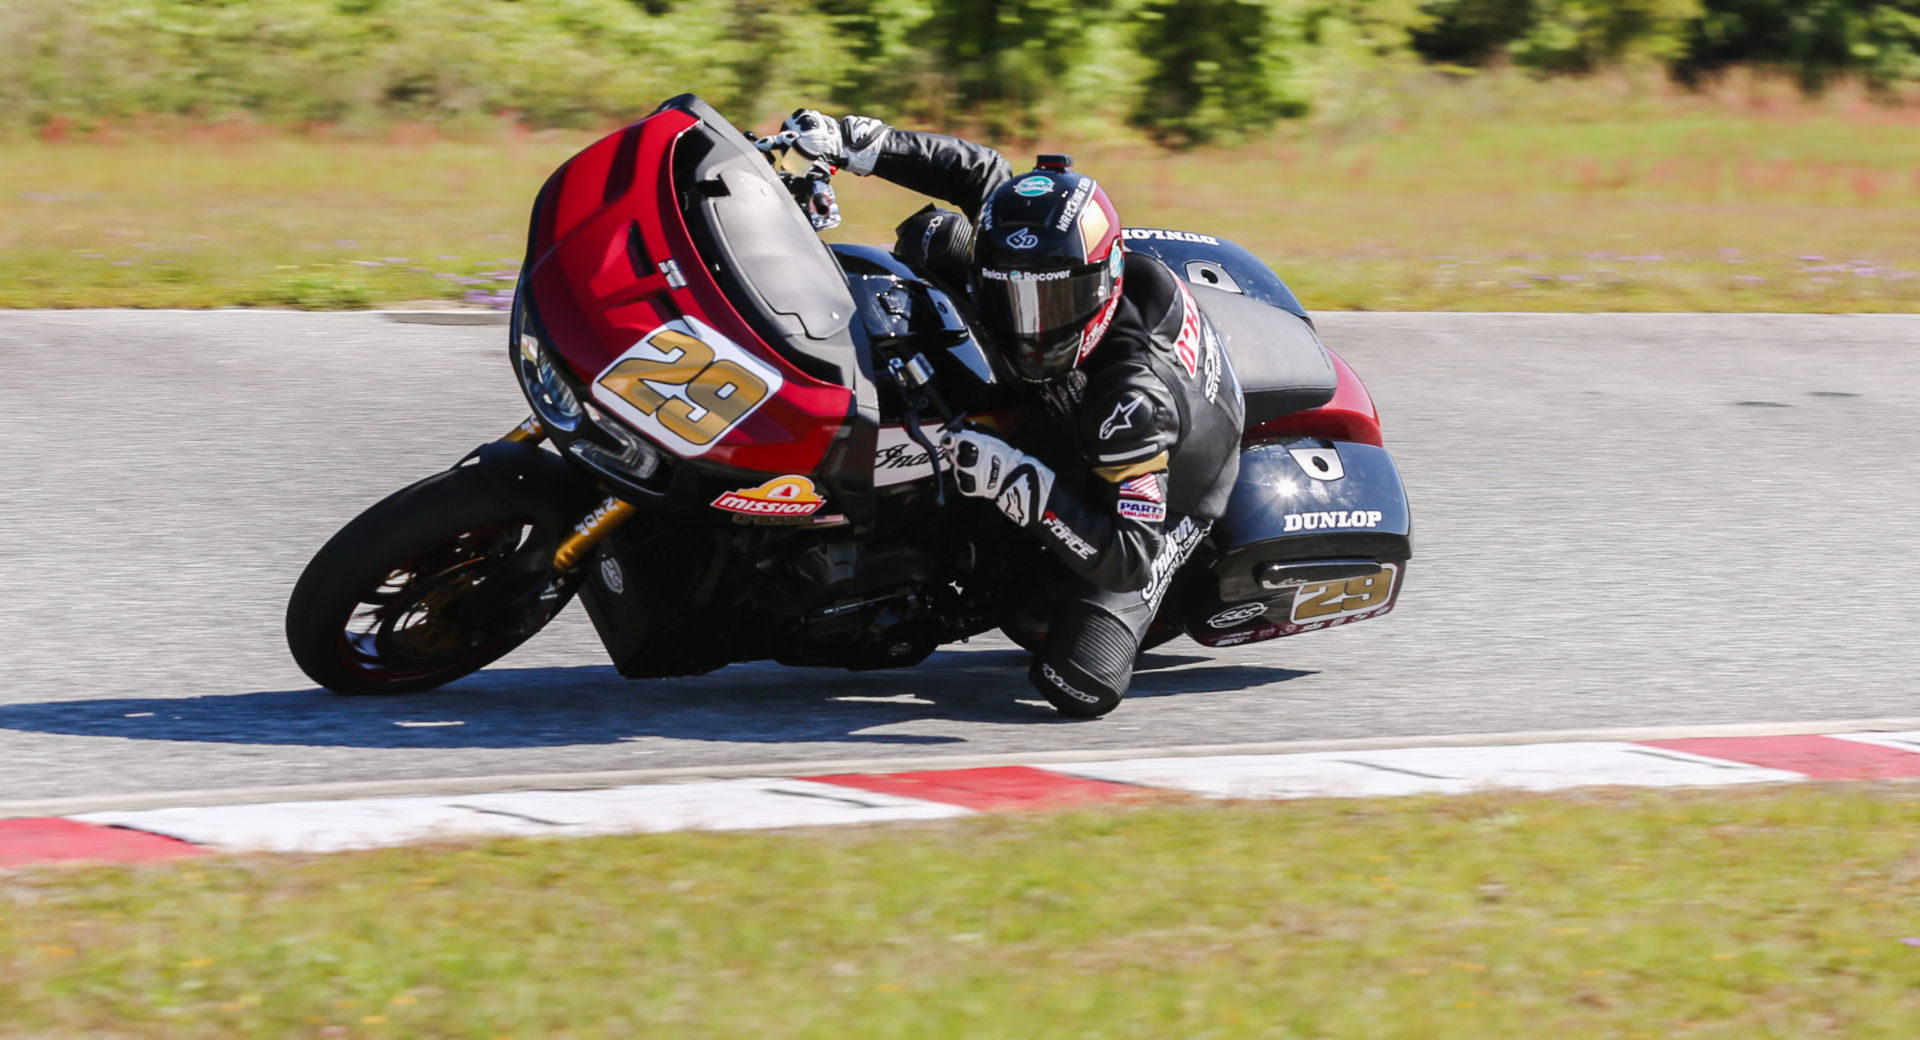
x,y
1660,203
1785,912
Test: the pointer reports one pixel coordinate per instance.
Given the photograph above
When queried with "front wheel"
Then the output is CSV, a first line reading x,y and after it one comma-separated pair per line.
x,y
435,582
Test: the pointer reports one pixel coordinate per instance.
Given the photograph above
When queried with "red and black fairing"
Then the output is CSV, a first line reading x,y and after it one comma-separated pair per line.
x,y
677,216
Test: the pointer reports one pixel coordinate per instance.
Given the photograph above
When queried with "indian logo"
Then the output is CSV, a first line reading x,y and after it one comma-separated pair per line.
x,y
781,496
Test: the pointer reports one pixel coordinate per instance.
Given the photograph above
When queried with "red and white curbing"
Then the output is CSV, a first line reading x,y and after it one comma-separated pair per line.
x,y
329,826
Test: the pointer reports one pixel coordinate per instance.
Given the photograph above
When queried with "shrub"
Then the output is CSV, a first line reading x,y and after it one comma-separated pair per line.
x,y
556,62
1816,39
1579,36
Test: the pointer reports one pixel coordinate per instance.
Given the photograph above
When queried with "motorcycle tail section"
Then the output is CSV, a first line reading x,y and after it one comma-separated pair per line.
x,y
1317,534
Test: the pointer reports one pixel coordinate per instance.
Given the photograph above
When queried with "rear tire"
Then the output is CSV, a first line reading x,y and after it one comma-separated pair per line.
x,y
431,584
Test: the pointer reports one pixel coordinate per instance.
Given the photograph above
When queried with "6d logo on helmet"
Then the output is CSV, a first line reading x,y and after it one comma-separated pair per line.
x,y
1034,186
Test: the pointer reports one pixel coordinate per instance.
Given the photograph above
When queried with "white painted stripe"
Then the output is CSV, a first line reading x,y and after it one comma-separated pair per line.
x,y
1538,767
369,823
1909,741
470,785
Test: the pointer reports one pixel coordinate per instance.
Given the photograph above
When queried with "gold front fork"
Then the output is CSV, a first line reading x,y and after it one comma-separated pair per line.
x,y
529,432
587,533
596,525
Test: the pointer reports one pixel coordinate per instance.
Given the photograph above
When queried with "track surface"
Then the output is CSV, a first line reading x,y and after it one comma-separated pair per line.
x,y
1620,520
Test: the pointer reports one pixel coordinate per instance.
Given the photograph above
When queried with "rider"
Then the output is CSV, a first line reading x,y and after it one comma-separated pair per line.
x,y
1137,374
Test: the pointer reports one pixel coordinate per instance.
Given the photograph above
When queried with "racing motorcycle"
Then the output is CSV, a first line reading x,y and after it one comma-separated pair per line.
x,y
731,454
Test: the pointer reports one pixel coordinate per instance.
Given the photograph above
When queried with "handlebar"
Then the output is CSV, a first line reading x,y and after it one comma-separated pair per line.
x,y
809,181
914,378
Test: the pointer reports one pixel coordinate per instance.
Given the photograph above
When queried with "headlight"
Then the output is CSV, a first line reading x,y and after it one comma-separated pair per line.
x,y
551,396
636,458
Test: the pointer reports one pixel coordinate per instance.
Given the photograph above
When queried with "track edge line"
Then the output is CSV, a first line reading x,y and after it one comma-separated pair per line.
x,y
473,785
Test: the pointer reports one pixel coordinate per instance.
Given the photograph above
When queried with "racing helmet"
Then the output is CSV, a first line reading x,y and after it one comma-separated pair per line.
x,y
1046,268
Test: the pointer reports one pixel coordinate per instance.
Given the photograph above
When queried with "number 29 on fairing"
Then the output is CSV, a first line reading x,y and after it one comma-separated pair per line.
x,y
686,384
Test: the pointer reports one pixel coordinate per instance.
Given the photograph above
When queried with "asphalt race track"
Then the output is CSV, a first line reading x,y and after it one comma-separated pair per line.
x,y
1620,520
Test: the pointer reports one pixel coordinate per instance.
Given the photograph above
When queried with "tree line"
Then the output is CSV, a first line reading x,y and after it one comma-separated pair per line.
x,y
1183,71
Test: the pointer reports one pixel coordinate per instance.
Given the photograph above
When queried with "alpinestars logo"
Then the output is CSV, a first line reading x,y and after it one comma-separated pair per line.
x,y
1014,498
1122,417
1054,678
1068,537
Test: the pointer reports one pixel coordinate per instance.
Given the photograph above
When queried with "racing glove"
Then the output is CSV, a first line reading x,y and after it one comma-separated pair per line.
x,y
984,466
852,143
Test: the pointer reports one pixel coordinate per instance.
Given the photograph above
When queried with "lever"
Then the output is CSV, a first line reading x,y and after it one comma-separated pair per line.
x,y
914,377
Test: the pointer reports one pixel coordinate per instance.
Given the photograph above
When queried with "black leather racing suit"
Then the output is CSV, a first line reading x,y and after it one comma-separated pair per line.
x,y
1152,448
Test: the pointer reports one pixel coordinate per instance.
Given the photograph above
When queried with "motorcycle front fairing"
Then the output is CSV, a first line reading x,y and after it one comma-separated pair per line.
x,y
691,301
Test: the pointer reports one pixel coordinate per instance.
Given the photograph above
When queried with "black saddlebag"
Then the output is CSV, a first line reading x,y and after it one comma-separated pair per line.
x,y
1317,534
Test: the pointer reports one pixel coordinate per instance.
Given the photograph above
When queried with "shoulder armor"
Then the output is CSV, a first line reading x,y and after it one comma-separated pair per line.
x,y
1128,422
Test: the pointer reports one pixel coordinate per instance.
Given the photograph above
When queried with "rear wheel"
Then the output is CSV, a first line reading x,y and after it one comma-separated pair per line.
x,y
434,583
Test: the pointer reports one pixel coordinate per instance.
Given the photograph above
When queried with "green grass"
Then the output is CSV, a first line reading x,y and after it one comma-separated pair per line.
x,y
1783,913
1584,201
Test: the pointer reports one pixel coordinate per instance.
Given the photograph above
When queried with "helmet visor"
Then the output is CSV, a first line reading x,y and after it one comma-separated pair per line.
x,y
1033,304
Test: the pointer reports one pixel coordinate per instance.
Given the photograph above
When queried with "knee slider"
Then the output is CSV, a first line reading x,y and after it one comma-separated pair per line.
x,y
1088,663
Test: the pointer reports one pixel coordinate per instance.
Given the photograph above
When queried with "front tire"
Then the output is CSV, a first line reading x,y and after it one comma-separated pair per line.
x,y
431,584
